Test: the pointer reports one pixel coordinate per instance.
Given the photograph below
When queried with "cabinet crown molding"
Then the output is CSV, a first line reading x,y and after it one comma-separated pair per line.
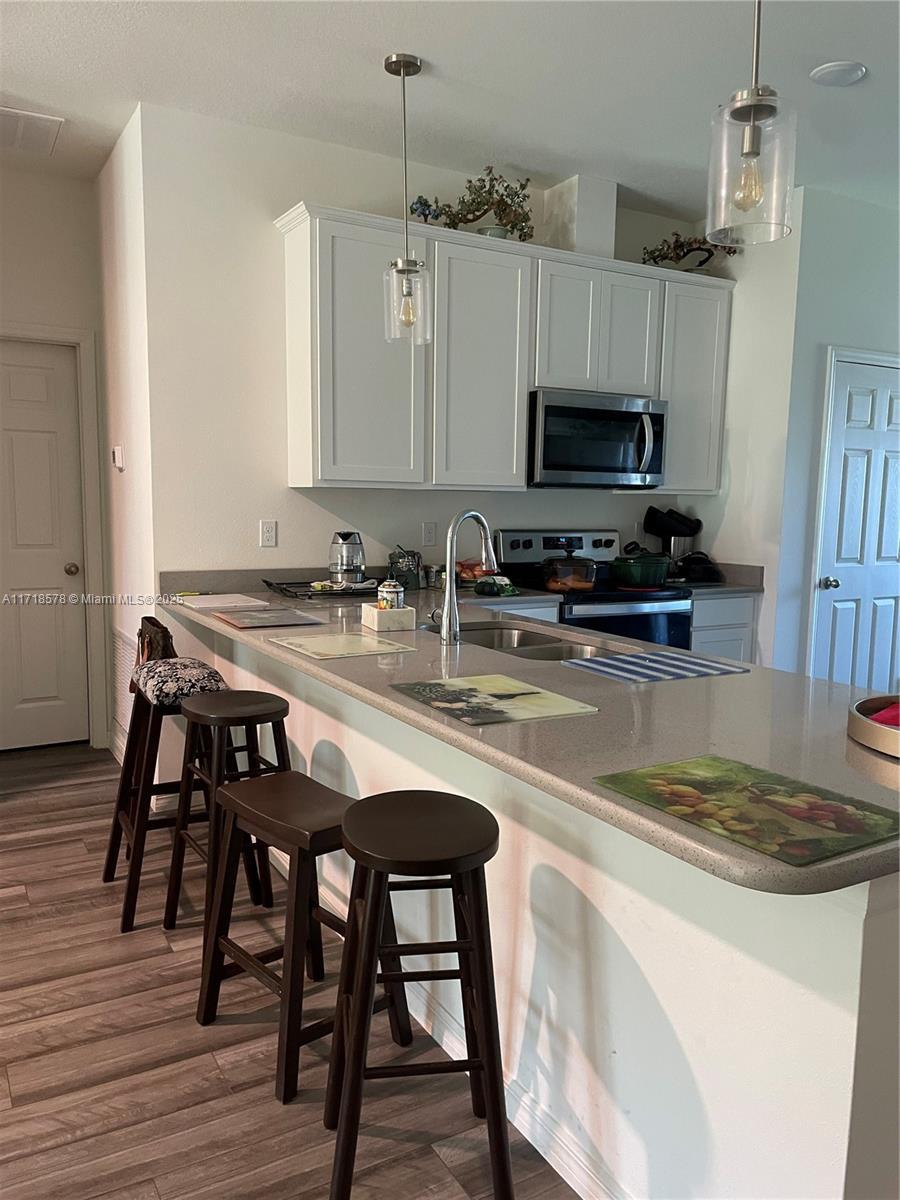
x,y
302,213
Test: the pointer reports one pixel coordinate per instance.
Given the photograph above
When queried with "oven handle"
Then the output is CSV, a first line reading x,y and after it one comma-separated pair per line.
x,y
649,439
628,609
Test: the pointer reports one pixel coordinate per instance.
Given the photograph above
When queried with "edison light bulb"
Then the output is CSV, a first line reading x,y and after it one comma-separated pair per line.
x,y
407,312
749,192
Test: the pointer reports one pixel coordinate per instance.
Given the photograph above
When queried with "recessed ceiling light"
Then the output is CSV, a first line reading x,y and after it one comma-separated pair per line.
x,y
838,74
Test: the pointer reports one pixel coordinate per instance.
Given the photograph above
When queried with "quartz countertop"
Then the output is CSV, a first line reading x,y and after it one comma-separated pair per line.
x,y
773,720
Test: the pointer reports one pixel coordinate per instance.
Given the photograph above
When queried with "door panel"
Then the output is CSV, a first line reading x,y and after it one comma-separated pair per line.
x,y
371,392
568,326
856,621
43,680
628,359
482,308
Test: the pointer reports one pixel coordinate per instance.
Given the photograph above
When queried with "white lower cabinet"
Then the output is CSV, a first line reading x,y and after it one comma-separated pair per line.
x,y
692,380
482,306
725,626
534,612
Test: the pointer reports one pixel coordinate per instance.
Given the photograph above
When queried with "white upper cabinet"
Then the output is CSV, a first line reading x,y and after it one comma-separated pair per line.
x,y
371,392
597,330
694,354
628,359
482,303
568,325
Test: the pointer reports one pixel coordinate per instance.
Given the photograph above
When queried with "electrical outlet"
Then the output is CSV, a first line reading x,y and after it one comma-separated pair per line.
x,y
429,533
268,533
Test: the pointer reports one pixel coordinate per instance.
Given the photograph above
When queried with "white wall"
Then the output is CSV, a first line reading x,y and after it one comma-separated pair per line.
x,y
49,258
847,296
635,230
217,358
129,508
743,523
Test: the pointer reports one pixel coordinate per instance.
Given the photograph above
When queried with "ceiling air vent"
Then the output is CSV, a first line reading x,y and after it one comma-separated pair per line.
x,y
30,132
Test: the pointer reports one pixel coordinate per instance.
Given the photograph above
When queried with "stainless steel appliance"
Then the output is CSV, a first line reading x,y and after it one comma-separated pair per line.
x,y
590,439
661,615
346,559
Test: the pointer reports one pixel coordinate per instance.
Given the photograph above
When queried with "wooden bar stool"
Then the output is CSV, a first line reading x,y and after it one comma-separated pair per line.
x,y
303,819
160,686
416,834
210,760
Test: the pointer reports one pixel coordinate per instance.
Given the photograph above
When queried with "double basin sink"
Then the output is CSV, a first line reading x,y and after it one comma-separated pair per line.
x,y
510,638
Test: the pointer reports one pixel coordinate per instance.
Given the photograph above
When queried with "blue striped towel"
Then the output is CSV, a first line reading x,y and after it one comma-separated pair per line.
x,y
651,668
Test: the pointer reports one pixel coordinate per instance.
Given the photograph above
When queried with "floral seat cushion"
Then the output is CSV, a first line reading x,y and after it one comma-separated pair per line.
x,y
167,681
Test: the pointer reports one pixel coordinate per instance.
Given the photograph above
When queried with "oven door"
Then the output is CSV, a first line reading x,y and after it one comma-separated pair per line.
x,y
663,622
584,439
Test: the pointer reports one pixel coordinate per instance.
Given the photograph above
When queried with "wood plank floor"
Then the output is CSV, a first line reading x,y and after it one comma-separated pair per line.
x,y
109,1087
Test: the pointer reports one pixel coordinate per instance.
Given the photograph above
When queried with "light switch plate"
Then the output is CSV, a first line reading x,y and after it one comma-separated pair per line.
x,y
429,533
118,457
268,534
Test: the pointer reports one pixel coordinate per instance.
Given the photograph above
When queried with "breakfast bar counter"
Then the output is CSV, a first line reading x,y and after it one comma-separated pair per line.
x,y
666,1033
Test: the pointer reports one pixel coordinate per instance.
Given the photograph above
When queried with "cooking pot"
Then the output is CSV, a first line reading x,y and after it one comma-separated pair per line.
x,y
640,570
569,574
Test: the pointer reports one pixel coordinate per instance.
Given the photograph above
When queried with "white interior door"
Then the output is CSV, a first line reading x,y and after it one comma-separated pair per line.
x,y
43,654
857,606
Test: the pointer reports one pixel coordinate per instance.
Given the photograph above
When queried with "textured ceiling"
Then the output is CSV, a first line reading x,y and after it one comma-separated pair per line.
x,y
617,88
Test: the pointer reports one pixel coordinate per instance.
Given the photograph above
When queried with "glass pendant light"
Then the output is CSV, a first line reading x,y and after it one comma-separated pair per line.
x,y
407,284
751,163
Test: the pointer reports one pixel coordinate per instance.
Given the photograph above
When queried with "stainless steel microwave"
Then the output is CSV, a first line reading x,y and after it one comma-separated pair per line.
x,y
590,439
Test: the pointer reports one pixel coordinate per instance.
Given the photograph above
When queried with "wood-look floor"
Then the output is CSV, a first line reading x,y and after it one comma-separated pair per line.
x,y
109,1087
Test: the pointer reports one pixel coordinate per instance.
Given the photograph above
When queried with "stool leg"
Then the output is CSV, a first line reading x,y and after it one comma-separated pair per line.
x,y
217,777
315,954
141,815
182,824
130,763
346,985
295,933
358,1037
398,1012
489,1034
247,854
463,921
266,899
282,750
218,923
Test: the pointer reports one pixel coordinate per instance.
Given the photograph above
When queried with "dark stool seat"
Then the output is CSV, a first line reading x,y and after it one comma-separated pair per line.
x,y
238,707
303,819
420,833
435,835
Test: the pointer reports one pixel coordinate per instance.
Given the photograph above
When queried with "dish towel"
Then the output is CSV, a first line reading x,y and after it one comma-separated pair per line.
x,y
655,667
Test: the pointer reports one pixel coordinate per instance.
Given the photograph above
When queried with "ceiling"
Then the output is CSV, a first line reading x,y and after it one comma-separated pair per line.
x,y
622,89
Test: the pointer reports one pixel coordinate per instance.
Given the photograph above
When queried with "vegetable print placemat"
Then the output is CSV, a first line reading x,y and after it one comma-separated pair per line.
x,y
491,699
788,820
341,645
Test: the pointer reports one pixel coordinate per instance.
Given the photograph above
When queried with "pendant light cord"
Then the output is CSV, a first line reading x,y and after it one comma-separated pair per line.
x,y
405,183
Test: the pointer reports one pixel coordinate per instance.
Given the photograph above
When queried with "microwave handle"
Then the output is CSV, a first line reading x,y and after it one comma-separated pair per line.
x,y
649,442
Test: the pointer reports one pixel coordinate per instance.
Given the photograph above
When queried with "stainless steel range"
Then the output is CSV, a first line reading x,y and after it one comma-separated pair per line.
x,y
661,615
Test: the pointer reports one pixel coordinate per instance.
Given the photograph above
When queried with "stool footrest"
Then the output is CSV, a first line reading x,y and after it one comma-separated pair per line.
x,y
416,976
251,964
271,954
455,1066
331,920
418,885
198,848
401,948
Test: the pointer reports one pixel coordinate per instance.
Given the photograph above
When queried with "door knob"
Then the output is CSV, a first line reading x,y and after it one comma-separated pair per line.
x,y
71,568
829,581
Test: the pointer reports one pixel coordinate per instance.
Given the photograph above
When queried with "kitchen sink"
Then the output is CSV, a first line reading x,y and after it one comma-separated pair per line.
x,y
497,636
523,643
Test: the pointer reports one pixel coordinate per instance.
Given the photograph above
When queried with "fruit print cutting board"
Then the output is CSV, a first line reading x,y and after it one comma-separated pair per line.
x,y
784,818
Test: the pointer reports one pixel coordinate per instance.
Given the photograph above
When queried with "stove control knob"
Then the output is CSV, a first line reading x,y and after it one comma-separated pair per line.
x,y
608,543
527,544
515,544
597,543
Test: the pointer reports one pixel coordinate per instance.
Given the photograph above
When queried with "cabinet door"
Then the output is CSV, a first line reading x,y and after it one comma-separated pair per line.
x,y
568,325
482,307
628,358
695,350
371,393
735,643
